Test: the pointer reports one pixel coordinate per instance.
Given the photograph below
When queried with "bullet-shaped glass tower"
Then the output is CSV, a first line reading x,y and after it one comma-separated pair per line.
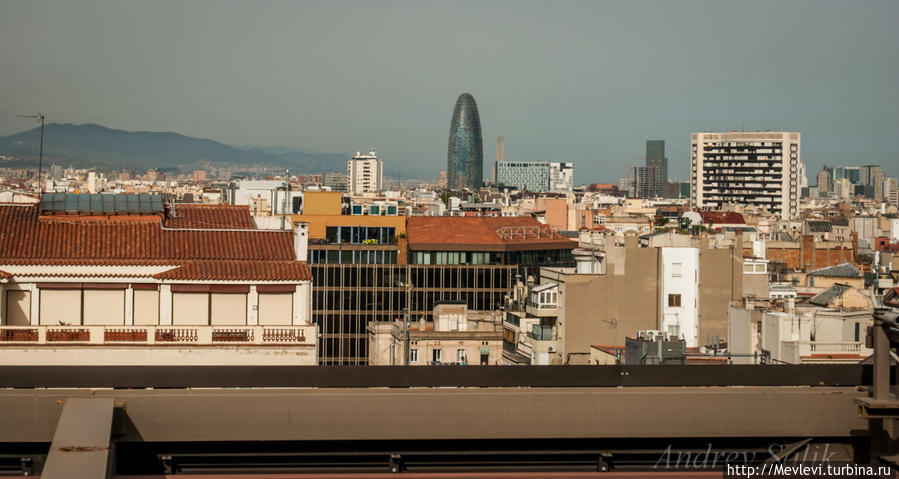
x,y
465,155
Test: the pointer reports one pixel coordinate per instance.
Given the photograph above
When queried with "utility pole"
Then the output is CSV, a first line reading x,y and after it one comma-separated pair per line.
x,y
40,161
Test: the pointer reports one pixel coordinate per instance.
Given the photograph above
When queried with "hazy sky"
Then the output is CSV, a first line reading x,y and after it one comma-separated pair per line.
x,y
586,82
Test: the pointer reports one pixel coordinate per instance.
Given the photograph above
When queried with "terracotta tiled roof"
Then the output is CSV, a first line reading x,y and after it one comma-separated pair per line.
x,y
239,271
211,216
26,235
4,274
485,233
722,217
28,238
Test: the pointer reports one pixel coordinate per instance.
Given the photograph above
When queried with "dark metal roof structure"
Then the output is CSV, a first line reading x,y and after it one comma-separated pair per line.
x,y
820,226
843,270
825,297
107,204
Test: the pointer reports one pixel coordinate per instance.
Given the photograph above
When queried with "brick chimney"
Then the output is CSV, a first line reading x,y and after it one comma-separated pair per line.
x,y
807,252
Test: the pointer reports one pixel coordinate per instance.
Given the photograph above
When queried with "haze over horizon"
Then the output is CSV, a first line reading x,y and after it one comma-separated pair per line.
x,y
585,82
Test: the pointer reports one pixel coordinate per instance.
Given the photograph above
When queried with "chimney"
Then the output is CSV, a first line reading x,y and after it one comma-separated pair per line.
x,y
807,252
301,240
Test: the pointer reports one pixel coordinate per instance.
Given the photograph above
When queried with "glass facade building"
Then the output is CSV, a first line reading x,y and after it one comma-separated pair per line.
x,y
465,154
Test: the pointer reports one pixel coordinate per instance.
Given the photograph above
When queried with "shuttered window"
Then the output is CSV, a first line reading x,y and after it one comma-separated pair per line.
x,y
104,306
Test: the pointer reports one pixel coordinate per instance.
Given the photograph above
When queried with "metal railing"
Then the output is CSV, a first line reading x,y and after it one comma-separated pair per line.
x,y
143,335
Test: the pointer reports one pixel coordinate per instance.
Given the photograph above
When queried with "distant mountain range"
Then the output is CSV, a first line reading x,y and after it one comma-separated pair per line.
x,y
95,146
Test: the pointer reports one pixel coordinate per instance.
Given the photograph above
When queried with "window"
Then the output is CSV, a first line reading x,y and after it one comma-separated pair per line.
x,y
413,355
436,355
676,270
460,355
674,300
857,331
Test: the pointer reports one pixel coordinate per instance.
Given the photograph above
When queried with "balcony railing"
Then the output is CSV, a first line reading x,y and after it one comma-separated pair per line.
x,y
147,335
807,348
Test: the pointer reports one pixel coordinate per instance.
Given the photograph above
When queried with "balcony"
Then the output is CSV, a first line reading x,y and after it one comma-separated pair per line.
x,y
542,333
149,335
158,345
541,310
841,348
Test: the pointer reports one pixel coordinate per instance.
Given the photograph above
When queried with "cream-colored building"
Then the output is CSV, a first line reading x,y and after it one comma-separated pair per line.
x,y
456,336
196,285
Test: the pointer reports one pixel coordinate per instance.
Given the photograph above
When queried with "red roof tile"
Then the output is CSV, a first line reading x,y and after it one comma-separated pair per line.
x,y
210,216
485,233
4,274
722,218
26,235
239,271
28,238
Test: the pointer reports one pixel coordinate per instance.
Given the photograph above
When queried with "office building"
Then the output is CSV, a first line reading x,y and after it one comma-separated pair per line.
x,y
760,169
561,177
524,175
825,181
643,181
853,174
364,173
336,181
500,156
868,173
536,176
655,157
465,153
359,268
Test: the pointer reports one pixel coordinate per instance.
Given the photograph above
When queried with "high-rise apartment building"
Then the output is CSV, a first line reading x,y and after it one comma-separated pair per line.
x,y
655,157
760,169
465,153
364,173
891,191
878,178
825,181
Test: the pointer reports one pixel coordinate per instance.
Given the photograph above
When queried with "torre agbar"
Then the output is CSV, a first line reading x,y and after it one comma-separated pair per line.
x,y
465,154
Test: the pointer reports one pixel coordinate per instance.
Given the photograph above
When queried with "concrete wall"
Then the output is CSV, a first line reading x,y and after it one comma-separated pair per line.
x,y
720,282
603,309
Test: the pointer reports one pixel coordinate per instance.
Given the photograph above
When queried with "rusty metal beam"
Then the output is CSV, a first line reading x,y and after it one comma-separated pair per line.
x,y
80,447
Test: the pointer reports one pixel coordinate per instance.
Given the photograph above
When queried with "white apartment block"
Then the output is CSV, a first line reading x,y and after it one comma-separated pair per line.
x,y
364,173
680,293
561,177
748,168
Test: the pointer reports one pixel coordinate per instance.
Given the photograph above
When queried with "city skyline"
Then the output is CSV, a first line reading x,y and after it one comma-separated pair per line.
x,y
567,94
